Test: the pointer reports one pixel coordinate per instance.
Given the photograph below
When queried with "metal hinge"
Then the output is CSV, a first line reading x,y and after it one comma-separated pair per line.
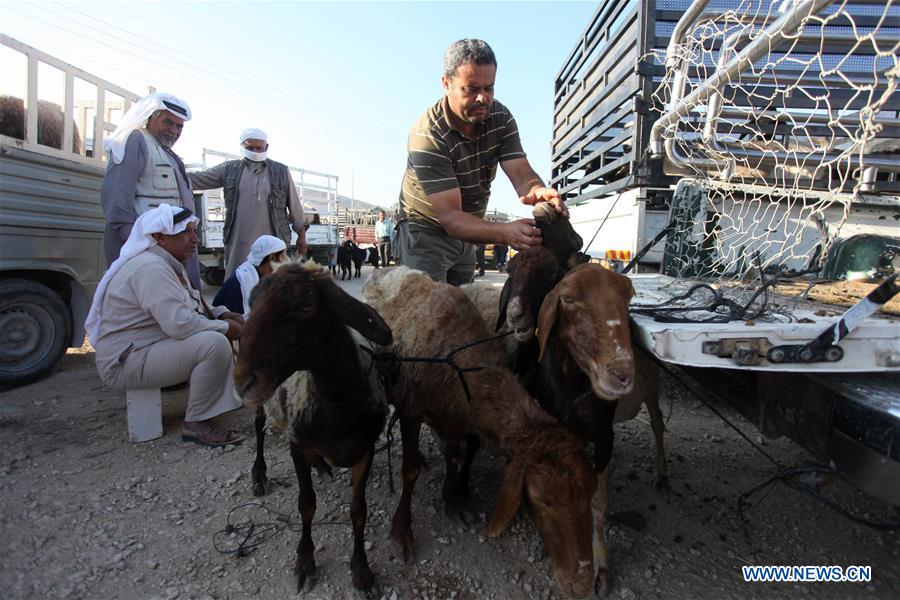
x,y
743,351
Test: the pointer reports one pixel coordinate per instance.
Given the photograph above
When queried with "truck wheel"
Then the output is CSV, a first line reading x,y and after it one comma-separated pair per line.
x,y
214,276
35,327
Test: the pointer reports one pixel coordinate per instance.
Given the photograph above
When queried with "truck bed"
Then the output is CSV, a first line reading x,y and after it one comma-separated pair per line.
x,y
873,347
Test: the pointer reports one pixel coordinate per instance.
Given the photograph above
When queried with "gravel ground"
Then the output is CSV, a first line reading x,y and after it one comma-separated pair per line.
x,y
86,514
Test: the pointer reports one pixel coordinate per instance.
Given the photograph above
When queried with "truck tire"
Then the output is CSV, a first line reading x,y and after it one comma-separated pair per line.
x,y
214,276
35,327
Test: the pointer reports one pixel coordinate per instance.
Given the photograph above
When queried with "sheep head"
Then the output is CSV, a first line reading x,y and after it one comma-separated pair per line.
x,y
587,312
557,483
559,236
532,274
295,312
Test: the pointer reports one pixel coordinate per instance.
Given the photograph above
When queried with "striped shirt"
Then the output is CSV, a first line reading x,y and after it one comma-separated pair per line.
x,y
441,158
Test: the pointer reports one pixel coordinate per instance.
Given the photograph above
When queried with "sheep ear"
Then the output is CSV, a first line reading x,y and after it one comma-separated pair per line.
x,y
511,489
547,319
505,293
358,315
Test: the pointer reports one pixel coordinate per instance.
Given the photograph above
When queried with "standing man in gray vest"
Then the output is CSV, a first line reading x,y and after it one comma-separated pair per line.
x,y
143,172
454,150
260,199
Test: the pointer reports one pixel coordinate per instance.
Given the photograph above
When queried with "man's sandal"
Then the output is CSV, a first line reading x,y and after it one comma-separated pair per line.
x,y
211,435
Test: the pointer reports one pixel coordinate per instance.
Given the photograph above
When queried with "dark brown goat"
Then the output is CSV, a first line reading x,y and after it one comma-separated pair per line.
x,y
533,273
547,468
583,366
301,321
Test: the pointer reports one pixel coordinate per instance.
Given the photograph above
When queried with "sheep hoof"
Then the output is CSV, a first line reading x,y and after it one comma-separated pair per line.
x,y
601,585
305,572
260,488
404,549
662,483
366,586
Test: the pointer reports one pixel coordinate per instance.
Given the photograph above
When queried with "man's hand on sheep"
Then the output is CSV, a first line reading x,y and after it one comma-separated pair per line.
x,y
234,329
545,194
522,234
233,316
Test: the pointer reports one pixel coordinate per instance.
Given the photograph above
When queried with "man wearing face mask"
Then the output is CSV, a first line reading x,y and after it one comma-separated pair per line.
x,y
143,172
260,199
453,153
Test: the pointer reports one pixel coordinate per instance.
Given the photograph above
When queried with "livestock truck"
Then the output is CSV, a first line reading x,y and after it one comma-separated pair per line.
x,y
318,192
740,160
51,222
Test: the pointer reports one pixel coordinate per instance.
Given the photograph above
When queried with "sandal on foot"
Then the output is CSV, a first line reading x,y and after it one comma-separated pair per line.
x,y
211,435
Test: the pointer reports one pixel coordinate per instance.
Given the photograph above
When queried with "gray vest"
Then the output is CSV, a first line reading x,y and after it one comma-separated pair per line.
x,y
277,202
158,183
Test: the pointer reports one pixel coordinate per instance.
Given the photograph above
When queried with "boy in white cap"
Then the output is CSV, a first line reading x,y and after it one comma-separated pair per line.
x,y
260,199
265,253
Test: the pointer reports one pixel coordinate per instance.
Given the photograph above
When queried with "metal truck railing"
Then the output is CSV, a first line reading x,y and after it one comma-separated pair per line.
x,y
73,112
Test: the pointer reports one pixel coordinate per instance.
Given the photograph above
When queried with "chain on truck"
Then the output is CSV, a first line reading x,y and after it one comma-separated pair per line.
x,y
741,160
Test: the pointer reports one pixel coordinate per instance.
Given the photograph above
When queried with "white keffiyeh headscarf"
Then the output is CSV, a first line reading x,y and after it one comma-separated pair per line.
x,y
246,273
137,116
159,220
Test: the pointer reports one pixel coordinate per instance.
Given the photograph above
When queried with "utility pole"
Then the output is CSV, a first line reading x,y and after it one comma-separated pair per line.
x,y
352,189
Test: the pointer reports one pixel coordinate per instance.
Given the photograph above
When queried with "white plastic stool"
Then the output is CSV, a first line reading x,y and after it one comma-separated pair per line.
x,y
144,414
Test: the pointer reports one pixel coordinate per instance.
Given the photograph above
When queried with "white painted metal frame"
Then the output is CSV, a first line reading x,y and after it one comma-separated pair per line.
x,y
35,56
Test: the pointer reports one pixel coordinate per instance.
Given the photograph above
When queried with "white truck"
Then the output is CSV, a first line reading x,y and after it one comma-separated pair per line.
x,y
737,155
318,193
51,222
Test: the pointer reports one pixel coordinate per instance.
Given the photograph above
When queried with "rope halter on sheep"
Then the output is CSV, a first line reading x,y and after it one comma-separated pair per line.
x,y
392,358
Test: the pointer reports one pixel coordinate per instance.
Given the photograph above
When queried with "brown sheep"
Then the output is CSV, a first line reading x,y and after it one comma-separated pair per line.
x,y
50,123
301,321
547,467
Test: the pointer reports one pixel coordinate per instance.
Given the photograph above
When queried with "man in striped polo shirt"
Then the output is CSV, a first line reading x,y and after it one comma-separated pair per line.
x,y
454,150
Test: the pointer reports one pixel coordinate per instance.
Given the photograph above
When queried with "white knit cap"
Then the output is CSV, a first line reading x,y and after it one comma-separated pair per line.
x,y
253,134
246,273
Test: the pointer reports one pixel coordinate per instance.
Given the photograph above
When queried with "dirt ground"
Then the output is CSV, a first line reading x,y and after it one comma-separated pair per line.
x,y
86,514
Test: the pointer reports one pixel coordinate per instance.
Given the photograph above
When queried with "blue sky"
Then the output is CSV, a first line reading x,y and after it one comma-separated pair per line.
x,y
336,85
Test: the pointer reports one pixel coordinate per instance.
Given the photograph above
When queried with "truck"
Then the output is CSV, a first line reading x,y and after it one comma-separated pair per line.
x,y
739,161
318,193
51,221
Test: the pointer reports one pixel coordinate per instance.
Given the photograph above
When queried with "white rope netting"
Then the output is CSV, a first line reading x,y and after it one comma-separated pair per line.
x,y
784,146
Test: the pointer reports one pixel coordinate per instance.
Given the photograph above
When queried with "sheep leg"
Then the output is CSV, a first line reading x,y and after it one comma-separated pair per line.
x,y
258,474
452,502
473,443
363,579
402,544
305,566
598,513
659,428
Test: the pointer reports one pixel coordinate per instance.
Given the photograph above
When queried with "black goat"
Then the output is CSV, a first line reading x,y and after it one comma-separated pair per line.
x,y
345,259
332,409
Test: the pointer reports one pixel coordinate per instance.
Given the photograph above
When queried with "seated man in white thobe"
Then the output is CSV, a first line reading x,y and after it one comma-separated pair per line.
x,y
151,328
